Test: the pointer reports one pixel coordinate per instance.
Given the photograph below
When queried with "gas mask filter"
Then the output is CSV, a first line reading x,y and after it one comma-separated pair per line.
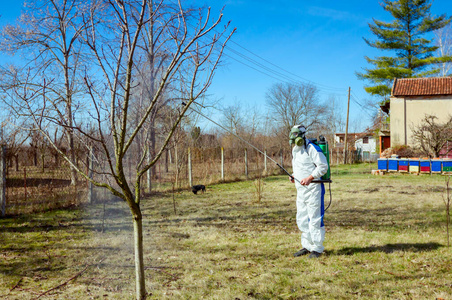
x,y
296,135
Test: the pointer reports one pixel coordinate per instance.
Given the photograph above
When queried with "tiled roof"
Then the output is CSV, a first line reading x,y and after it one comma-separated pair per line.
x,y
422,86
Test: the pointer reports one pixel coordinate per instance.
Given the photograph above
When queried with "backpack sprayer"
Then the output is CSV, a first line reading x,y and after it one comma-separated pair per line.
x,y
322,143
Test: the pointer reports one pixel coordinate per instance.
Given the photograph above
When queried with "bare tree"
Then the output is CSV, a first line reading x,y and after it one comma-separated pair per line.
x,y
432,137
112,32
444,44
292,104
233,118
48,36
241,120
154,58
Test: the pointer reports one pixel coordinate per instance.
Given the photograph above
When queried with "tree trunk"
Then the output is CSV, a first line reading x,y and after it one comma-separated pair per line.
x,y
16,158
166,161
72,156
35,156
139,262
149,173
43,161
176,165
69,121
152,149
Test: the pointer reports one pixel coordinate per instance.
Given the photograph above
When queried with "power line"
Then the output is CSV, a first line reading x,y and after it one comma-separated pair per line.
x,y
276,75
363,109
269,62
287,75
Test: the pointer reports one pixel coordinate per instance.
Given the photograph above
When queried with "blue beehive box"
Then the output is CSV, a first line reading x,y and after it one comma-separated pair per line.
x,y
393,164
436,166
425,166
403,165
382,164
447,166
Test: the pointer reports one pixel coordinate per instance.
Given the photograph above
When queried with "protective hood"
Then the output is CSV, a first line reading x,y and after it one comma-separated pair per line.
x,y
297,135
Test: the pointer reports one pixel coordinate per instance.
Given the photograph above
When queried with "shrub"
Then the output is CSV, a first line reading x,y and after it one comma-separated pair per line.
x,y
401,151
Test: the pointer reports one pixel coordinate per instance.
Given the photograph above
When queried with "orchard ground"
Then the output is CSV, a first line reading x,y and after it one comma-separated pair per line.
x,y
385,238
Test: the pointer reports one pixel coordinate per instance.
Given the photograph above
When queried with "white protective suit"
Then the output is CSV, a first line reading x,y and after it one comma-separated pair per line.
x,y
306,161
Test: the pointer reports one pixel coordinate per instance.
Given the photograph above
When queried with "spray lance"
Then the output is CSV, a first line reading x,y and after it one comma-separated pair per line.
x,y
293,139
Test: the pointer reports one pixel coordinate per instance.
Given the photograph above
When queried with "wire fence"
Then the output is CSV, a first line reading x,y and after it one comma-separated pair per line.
x,y
34,185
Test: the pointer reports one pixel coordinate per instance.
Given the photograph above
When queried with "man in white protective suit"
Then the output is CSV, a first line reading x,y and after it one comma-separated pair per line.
x,y
308,163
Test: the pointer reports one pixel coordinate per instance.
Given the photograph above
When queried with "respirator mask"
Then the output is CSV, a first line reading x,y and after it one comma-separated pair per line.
x,y
296,135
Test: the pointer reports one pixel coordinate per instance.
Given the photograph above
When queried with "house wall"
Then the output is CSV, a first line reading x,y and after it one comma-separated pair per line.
x,y
370,147
416,109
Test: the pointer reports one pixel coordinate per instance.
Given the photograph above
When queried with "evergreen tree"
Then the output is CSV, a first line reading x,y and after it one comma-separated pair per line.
x,y
406,37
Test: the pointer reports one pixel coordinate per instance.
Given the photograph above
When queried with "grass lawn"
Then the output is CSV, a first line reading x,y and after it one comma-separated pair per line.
x,y
385,239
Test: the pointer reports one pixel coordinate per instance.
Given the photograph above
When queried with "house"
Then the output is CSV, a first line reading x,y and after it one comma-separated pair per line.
x,y
366,146
363,144
339,139
412,99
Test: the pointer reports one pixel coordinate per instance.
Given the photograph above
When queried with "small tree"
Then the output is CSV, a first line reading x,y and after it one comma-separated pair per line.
x,y
432,138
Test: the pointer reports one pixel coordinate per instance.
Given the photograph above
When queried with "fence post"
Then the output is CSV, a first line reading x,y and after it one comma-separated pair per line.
x,y
90,174
246,163
222,164
190,181
3,179
282,158
25,183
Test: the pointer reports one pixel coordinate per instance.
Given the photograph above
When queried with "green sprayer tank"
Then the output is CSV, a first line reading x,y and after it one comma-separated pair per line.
x,y
326,151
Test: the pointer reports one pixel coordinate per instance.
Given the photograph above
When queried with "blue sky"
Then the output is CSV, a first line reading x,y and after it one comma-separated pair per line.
x,y
316,41
320,42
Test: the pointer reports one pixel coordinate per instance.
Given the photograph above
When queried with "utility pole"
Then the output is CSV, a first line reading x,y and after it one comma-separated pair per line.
x,y
346,128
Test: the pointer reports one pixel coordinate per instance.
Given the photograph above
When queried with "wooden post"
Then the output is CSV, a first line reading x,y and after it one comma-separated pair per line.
x,y
282,158
246,163
190,181
90,174
3,179
222,164
265,161
346,128
25,184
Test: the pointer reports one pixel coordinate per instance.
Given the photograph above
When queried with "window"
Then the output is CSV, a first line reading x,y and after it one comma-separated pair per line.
x,y
366,140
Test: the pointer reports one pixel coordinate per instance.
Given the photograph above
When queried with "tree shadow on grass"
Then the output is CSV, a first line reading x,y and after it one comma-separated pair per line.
x,y
390,248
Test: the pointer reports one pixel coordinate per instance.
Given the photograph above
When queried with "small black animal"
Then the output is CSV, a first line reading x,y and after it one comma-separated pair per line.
x,y
196,188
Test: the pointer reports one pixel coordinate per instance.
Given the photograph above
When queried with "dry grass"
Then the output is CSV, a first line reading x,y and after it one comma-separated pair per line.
x,y
385,239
